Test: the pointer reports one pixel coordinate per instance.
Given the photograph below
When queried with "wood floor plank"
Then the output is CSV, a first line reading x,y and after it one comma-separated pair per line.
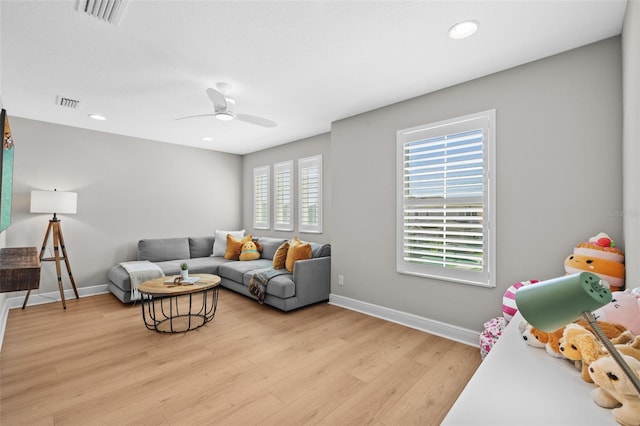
x,y
96,364
427,402
315,403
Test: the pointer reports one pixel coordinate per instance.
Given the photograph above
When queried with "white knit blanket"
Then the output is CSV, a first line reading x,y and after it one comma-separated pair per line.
x,y
139,272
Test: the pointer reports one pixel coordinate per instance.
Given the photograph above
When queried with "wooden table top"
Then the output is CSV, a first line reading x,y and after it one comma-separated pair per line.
x,y
159,286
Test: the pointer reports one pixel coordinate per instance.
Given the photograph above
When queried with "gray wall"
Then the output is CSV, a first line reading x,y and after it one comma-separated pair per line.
x,y
631,136
558,174
315,145
127,188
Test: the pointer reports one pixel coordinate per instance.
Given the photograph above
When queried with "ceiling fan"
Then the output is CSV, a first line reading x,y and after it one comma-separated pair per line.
x,y
224,108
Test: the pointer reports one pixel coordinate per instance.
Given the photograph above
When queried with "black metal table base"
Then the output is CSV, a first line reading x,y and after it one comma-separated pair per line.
x,y
177,314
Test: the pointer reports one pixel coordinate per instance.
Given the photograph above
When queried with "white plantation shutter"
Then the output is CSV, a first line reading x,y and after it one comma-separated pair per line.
x,y
261,197
310,194
283,196
445,199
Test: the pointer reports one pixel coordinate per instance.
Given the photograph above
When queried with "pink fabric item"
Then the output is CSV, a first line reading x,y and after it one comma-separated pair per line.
x,y
509,307
492,331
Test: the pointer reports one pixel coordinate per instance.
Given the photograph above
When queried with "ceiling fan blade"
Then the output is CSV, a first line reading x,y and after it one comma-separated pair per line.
x,y
256,120
218,99
194,116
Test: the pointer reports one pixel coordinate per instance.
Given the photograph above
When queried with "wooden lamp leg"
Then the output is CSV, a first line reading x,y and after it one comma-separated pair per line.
x,y
58,242
66,260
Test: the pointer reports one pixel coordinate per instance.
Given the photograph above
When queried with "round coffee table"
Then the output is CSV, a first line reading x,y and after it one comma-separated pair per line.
x,y
171,308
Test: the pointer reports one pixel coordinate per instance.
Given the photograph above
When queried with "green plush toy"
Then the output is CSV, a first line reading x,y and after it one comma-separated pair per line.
x,y
249,251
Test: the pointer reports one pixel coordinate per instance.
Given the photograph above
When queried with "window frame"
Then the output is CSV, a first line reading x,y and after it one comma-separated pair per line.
x,y
486,277
278,168
305,164
262,172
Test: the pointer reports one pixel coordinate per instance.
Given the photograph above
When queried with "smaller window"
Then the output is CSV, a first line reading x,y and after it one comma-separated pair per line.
x,y
283,196
261,197
310,194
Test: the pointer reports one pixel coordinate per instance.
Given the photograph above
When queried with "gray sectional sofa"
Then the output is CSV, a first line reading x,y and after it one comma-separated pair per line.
x,y
309,283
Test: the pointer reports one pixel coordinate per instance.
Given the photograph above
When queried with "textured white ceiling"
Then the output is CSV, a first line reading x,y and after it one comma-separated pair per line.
x,y
302,64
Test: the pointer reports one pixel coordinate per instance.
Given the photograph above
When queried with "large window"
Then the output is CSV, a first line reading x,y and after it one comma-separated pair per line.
x,y
446,200
283,196
261,197
310,194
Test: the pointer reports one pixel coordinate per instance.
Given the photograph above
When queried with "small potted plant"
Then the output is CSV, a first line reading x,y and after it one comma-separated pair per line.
x,y
184,271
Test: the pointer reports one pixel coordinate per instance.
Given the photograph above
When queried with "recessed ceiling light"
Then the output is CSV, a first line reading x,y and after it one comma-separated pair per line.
x,y
463,29
207,138
97,117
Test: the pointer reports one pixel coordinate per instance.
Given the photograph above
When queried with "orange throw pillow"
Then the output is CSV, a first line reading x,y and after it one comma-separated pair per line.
x,y
298,250
280,257
234,246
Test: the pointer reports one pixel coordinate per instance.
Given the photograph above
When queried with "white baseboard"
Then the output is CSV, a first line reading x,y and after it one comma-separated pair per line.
x,y
448,331
35,298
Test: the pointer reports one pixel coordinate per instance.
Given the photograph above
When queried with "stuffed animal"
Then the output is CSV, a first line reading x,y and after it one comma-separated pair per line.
x,y
249,251
578,343
616,389
624,309
528,335
509,307
494,327
599,256
492,331
540,339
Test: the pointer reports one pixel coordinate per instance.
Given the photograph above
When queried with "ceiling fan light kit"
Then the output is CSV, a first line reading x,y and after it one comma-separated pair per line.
x,y
227,113
224,116
224,108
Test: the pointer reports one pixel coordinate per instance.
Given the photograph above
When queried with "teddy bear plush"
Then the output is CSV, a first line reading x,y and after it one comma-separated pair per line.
x,y
616,390
600,256
578,343
624,309
249,251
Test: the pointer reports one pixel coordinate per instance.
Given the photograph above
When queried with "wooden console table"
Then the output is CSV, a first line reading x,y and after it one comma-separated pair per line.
x,y
19,269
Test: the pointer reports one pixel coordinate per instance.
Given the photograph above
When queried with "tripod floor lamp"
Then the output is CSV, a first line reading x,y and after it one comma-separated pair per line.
x,y
55,202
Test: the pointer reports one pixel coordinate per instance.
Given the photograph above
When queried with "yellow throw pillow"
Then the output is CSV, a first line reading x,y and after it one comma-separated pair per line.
x,y
298,250
234,246
280,257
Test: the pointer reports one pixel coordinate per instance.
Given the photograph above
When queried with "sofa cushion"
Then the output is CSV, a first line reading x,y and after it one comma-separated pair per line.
x,y
270,246
205,265
280,257
200,246
161,249
235,270
298,250
320,250
220,241
281,286
234,246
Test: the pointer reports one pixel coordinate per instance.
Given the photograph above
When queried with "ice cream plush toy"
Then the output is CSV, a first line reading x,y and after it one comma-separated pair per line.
x,y
600,256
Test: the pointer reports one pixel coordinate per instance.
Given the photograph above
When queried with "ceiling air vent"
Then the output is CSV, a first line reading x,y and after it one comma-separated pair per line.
x,y
106,10
66,102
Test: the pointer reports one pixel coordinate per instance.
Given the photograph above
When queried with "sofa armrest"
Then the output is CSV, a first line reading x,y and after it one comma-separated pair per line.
x,y
313,280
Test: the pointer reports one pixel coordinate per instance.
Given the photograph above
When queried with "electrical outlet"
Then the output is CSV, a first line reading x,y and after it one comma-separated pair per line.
x,y
341,279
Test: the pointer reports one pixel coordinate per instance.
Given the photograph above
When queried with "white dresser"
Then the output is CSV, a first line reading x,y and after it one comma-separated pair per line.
x,y
518,384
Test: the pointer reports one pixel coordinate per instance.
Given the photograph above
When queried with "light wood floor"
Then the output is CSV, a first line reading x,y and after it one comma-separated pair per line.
x,y
96,363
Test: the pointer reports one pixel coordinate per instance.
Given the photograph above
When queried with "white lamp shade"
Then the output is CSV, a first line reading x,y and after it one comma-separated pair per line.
x,y
54,202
